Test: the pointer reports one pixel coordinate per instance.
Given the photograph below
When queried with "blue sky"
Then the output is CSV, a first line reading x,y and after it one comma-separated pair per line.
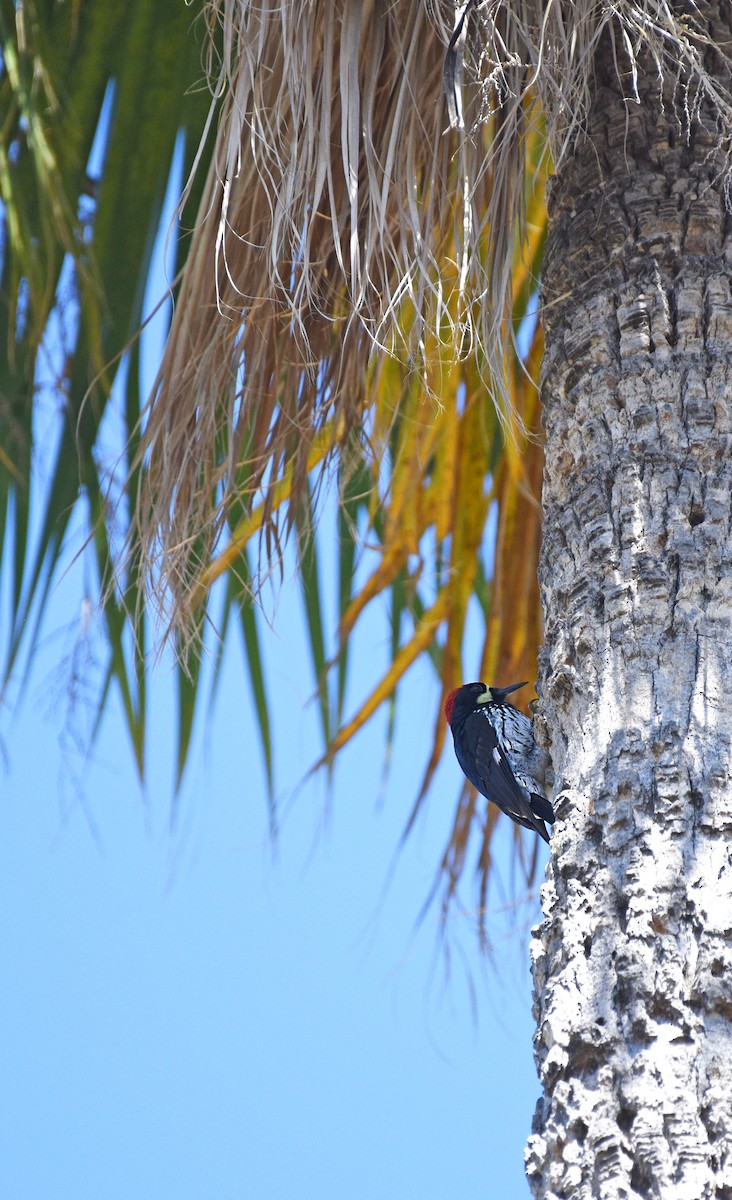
x,y
189,1012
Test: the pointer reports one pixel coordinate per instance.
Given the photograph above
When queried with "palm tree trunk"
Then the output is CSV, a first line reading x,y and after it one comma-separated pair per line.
x,y
632,962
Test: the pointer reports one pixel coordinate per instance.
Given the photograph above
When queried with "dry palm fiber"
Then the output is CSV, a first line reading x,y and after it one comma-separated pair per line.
x,y
342,218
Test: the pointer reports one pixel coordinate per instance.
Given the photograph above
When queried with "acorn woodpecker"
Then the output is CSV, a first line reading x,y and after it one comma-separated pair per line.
x,y
495,747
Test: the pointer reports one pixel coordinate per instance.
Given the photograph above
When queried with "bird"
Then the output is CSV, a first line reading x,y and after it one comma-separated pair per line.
x,y
494,745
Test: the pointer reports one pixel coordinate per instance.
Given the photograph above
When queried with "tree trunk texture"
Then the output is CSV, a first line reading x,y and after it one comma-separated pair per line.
x,y
633,961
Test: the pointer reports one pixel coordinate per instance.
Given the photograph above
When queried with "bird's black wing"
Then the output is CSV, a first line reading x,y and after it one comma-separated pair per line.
x,y
492,774
542,807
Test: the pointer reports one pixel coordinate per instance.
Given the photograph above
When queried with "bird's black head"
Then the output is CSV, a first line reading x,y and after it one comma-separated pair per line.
x,y
470,696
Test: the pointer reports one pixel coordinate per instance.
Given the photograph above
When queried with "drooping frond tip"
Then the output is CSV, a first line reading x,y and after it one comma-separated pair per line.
x,y
343,217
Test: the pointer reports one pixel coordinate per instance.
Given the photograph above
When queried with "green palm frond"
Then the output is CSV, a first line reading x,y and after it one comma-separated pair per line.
x,y
74,266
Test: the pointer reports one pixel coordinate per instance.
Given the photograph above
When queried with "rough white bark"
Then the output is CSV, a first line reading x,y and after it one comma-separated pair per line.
x,y
633,961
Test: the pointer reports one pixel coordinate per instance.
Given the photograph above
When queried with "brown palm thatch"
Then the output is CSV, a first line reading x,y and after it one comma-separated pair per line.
x,y
342,219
